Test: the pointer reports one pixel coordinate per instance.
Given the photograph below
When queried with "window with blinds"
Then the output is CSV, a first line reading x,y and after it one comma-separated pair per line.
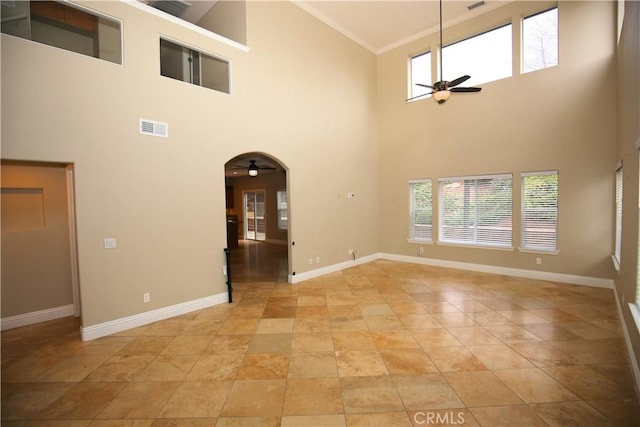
x,y
476,210
421,208
539,211
618,248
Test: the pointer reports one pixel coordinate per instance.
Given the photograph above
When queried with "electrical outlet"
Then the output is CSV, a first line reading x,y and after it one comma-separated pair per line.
x,y
110,243
317,260
146,297
421,251
539,261
310,261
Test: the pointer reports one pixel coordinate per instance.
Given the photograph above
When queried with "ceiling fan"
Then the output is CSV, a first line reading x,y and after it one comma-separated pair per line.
x,y
253,168
441,90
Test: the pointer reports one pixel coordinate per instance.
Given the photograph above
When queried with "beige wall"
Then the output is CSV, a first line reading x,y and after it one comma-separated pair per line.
x,y
302,94
628,136
227,18
551,119
36,264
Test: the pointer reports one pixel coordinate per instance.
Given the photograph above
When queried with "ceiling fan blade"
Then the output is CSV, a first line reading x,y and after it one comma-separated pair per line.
x,y
465,89
423,85
459,80
265,167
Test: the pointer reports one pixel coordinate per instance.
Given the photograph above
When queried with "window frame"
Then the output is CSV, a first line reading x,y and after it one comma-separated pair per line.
x,y
282,221
203,56
412,212
523,41
412,81
476,243
473,81
524,247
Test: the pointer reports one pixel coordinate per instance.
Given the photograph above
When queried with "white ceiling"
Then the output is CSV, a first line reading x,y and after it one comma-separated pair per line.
x,y
381,25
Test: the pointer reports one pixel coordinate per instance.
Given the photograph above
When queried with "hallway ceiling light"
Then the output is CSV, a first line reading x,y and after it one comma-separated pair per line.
x,y
253,169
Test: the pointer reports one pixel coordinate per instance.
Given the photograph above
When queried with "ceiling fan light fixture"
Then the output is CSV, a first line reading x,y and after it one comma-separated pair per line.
x,y
253,169
441,96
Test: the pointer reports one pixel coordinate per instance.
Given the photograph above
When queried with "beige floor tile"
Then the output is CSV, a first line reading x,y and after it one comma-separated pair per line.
x,y
533,385
474,335
26,401
426,392
355,363
381,323
354,340
370,394
395,419
481,388
187,344
264,366
510,415
313,421
275,326
215,367
394,339
343,324
419,321
454,359
120,369
313,365
408,361
273,421
311,342
434,337
326,396
140,400
499,356
566,414
84,401
196,399
76,368
361,346
146,346
271,343
312,325
171,367
229,344
254,398
589,384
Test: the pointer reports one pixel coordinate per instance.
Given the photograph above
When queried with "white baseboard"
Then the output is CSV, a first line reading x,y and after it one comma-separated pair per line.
x,y
36,317
506,271
331,268
635,370
130,322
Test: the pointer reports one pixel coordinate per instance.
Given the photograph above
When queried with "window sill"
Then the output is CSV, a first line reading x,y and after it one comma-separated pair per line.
x,y
538,251
421,242
635,313
616,263
476,246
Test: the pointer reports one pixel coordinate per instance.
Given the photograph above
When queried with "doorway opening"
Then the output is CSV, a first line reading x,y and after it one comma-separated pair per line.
x,y
38,241
255,224
257,213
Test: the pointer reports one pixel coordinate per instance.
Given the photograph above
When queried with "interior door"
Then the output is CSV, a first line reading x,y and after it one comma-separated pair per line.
x,y
254,216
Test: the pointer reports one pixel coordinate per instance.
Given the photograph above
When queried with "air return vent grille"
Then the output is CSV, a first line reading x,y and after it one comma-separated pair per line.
x,y
149,127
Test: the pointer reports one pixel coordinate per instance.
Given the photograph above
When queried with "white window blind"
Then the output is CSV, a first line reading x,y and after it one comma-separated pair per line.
x,y
540,211
476,210
618,248
421,207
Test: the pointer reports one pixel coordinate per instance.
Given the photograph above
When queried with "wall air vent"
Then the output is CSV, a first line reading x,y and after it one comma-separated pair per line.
x,y
149,127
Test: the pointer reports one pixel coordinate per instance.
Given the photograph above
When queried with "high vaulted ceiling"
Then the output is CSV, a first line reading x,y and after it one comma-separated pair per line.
x,y
385,24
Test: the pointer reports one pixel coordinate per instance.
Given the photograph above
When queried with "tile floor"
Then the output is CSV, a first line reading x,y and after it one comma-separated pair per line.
x,y
381,344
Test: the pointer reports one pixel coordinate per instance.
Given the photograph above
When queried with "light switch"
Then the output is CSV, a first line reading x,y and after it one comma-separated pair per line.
x,y
110,243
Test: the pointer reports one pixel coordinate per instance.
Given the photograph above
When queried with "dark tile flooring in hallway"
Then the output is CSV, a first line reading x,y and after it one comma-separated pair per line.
x,y
380,344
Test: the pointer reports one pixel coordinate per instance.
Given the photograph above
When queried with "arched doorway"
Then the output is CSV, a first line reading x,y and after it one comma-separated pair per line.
x,y
257,211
